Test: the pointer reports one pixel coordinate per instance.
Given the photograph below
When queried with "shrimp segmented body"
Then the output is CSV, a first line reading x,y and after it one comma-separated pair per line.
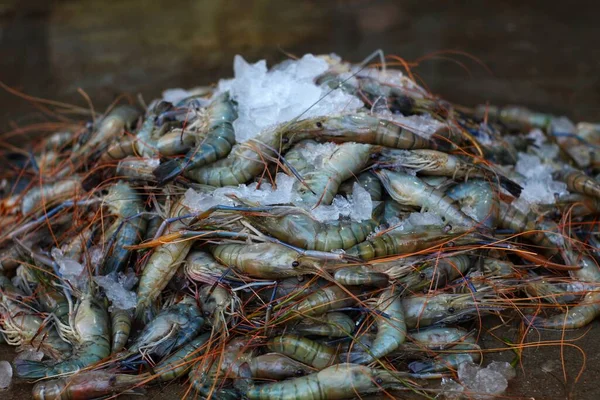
x,y
340,381
399,242
129,226
298,228
391,329
304,350
264,260
579,182
277,366
412,191
162,265
333,324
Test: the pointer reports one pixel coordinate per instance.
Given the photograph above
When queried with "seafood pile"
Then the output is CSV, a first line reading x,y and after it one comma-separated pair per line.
x,y
319,230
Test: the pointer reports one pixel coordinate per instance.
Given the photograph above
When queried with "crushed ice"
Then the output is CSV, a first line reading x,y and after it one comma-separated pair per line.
x,y
69,269
358,207
266,98
536,179
118,290
265,195
478,382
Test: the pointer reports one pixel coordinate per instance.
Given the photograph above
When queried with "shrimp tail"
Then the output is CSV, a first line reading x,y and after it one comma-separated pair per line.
x,y
168,171
28,369
513,187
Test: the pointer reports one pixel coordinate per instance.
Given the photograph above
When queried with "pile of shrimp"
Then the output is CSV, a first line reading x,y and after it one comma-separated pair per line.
x,y
265,301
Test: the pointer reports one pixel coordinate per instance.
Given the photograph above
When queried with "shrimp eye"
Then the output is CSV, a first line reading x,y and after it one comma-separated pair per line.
x,y
299,372
451,310
379,381
207,313
295,264
422,275
285,140
319,124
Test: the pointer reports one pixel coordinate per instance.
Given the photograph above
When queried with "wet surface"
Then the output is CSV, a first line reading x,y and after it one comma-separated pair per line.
x,y
535,53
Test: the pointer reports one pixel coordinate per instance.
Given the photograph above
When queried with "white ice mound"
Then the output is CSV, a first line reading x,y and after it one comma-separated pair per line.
x,y
264,195
267,98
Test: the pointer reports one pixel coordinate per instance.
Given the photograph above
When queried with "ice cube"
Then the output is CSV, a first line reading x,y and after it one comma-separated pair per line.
x,y
485,383
6,374
362,205
121,298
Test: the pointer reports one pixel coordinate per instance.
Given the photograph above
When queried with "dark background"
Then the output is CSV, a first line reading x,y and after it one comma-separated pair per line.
x,y
540,54
544,55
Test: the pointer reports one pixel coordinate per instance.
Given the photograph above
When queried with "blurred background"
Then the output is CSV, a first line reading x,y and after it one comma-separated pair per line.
x,y
536,54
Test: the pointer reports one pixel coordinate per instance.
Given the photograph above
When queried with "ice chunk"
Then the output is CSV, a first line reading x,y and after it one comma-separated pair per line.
x,y
427,218
340,207
69,269
30,355
538,185
362,205
316,154
6,374
266,98
265,195
358,207
423,125
485,383
451,389
121,298
537,136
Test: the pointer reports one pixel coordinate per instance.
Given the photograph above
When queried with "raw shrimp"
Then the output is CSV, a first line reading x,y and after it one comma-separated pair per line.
x,y
22,326
301,349
400,242
362,128
88,331
162,265
172,327
438,163
444,308
578,182
410,190
121,328
128,228
360,275
391,328
436,273
277,366
320,185
49,194
265,260
201,266
217,144
479,199
340,381
332,324
88,385
296,227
